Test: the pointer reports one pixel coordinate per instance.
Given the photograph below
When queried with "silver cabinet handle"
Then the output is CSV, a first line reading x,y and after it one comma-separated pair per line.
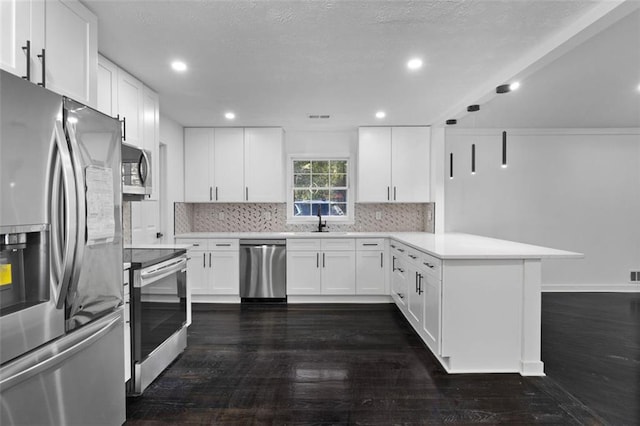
x,y
388,193
204,260
401,250
323,260
246,193
393,263
381,264
394,193
400,295
210,193
429,265
209,260
401,270
317,260
412,256
216,193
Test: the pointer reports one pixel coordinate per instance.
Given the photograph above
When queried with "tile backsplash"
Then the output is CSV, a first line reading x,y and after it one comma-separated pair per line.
x,y
272,217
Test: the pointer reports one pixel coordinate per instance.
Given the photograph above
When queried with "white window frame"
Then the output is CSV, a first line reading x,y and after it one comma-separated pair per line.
x,y
346,219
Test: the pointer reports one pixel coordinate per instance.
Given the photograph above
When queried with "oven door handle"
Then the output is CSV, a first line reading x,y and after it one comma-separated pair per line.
x,y
163,270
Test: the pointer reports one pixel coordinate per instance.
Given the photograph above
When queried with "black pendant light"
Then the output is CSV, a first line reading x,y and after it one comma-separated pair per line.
x,y
473,159
504,149
451,165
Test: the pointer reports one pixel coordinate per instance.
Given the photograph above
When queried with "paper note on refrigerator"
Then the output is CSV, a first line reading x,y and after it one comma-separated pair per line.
x,y
101,223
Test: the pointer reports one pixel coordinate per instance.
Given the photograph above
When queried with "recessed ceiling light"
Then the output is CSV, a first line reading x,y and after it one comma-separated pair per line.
x,y
515,85
229,115
381,114
179,66
414,64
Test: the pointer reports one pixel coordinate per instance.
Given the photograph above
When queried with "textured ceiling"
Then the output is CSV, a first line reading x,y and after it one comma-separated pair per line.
x,y
275,62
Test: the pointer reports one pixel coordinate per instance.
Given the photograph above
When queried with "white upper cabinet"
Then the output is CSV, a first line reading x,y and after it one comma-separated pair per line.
x,y
62,40
374,164
228,164
130,107
198,156
234,164
393,164
264,165
71,39
107,87
22,25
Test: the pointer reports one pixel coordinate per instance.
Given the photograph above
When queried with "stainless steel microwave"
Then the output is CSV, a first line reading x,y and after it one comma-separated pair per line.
x,y
136,173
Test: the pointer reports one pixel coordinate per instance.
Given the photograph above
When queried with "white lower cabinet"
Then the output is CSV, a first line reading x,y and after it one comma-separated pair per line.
x,y
213,267
321,266
371,268
303,272
416,288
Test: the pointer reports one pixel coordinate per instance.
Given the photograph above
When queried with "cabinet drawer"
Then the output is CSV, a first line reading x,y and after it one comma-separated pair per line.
x,y
431,264
399,249
370,244
224,245
303,244
197,243
338,244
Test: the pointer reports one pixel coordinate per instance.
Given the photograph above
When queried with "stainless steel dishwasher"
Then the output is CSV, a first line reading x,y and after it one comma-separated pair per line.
x,y
263,270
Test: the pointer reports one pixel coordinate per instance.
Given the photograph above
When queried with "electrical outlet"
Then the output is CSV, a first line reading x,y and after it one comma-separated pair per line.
x,y
378,215
634,277
221,216
429,215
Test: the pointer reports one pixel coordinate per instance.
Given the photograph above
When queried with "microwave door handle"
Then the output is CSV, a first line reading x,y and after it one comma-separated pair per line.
x,y
143,159
64,166
81,219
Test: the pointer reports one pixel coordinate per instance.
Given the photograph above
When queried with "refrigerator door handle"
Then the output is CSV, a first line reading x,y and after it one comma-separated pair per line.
x,y
81,219
58,352
63,264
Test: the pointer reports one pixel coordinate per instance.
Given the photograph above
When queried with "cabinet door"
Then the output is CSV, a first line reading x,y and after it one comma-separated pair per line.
x,y
374,164
107,87
21,20
264,165
370,272
198,156
225,270
130,102
151,135
71,43
414,296
338,272
303,272
410,164
198,272
432,308
228,161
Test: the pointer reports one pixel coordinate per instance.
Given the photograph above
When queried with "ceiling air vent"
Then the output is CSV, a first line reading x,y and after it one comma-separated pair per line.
x,y
319,116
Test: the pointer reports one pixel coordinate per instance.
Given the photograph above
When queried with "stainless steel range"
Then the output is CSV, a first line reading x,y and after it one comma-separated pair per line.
x,y
158,312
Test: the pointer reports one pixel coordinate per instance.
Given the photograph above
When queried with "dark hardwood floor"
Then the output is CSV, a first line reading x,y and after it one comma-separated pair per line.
x,y
335,364
591,348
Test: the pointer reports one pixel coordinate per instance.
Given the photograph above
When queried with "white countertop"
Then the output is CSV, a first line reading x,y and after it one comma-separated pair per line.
x,y
160,246
443,246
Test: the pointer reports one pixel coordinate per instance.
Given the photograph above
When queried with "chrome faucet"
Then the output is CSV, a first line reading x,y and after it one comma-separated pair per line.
x,y
320,224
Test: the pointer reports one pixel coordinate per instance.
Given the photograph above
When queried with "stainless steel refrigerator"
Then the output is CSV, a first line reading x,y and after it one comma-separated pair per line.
x,y
61,293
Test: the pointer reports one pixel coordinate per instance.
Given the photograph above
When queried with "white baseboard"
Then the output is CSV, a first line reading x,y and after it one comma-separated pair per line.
x,y
340,299
587,288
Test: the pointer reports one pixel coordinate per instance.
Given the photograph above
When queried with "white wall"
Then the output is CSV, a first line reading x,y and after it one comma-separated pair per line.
x,y
322,142
172,136
576,190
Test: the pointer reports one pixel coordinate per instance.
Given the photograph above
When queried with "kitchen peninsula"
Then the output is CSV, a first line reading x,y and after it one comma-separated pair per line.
x,y
474,301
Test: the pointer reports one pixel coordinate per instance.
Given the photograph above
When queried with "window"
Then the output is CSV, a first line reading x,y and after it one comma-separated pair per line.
x,y
320,185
